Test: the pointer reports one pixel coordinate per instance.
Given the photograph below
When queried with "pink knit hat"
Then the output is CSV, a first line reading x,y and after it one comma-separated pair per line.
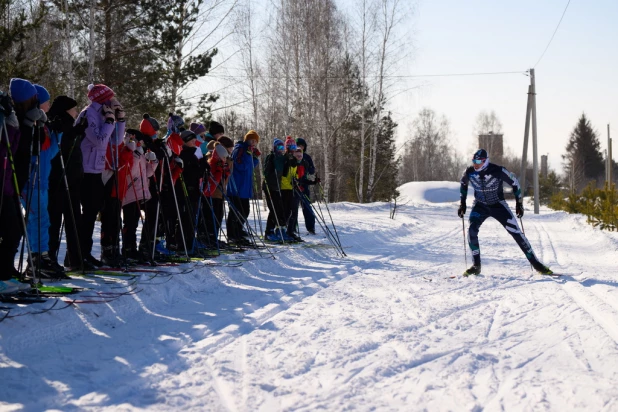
x,y
99,93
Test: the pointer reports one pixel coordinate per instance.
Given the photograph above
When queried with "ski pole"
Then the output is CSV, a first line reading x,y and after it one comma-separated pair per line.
x,y
66,186
16,185
182,232
463,225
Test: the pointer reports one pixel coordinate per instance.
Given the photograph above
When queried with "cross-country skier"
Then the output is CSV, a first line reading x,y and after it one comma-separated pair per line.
x,y
487,179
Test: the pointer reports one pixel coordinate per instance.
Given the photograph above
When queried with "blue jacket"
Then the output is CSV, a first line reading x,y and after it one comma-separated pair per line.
x,y
241,181
45,162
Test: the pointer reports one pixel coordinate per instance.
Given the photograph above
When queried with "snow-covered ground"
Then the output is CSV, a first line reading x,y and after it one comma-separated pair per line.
x,y
383,329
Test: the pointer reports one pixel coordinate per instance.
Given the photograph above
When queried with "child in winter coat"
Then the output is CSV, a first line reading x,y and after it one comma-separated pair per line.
x,y
240,187
215,180
10,228
35,197
105,119
188,191
274,168
67,170
136,174
305,183
287,183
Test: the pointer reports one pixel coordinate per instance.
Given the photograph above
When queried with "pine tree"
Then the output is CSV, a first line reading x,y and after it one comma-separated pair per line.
x,y
583,161
17,26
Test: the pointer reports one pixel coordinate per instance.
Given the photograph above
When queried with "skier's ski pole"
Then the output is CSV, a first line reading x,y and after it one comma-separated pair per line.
x,y
463,226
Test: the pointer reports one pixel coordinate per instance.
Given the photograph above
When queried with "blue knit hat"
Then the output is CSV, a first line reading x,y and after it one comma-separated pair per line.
x,y
276,143
21,90
42,93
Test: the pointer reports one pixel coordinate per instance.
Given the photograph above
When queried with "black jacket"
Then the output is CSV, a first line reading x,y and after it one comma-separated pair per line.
x,y
487,184
70,150
193,170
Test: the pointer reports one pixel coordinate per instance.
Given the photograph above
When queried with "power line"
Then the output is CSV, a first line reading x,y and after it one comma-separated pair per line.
x,y
224,76
552,36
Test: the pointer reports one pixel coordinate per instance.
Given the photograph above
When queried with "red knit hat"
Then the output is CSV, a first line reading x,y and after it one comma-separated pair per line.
x,y
290,144
149,126
99,93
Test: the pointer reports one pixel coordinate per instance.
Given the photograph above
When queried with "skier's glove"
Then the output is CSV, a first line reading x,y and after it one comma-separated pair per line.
x,y
179,162
108,112
519,209
131,145
256,152
6,106
118,110
151,156
461,212
34,115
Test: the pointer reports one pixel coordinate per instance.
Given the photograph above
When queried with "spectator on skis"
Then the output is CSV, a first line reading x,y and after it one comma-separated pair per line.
x,y
305,182
10,220
487,179
105,120
135,173
240,187
213,211
67,165
273,172
35,196
188,191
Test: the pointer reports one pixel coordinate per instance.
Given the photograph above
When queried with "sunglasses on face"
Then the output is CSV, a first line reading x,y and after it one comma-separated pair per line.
x,y
478,161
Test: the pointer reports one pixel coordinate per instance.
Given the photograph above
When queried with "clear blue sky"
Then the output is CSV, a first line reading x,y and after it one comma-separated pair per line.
x,y
579,72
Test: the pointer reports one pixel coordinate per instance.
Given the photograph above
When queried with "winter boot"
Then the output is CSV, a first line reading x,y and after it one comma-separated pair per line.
x,y
93,261
110,256
273,237
12,286
45,268
473,270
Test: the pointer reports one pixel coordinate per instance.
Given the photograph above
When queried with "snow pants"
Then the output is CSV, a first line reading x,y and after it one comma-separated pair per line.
x,y
236,217
130,220
275,210
58,207
10,233
503,214
38,220
308,210
212,211
92,195
110,219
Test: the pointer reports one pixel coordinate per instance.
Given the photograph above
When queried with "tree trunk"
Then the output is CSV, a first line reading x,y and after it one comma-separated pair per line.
x,y
93,4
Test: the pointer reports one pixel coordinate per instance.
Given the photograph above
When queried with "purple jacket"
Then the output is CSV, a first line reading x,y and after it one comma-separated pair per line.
x,y
96,137
6,175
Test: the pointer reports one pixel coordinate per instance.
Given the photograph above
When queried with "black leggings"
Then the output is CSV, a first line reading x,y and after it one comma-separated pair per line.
x,y
92,195
502,213
58,207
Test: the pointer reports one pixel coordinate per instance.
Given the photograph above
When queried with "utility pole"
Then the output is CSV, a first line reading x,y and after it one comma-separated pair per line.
x,y
609,164
531,115
535,152
524,156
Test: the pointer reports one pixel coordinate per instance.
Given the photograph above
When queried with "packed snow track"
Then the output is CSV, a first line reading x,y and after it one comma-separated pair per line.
x,y
384,329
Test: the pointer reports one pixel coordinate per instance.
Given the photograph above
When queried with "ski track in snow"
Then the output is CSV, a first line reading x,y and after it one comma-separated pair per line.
x,y
312,331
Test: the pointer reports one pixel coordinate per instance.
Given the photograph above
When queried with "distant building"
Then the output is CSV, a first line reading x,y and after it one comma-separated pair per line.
x,y
494,144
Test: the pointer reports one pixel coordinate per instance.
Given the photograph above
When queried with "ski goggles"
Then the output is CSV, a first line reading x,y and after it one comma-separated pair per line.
x,y
478,161
280,147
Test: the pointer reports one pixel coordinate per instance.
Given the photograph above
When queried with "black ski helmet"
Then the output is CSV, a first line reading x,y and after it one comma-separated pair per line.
x,y
480,154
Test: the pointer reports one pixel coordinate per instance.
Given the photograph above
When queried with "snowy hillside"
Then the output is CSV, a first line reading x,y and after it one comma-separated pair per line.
x,y
383,329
